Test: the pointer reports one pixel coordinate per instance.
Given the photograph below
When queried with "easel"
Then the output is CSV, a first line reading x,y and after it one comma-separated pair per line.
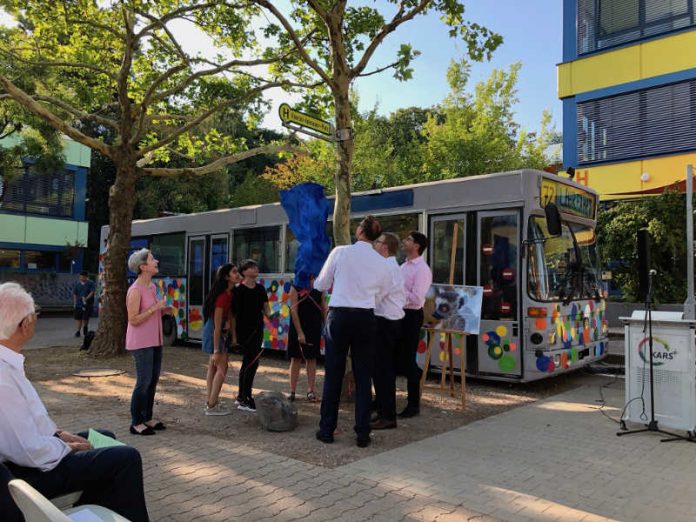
x,y
434,333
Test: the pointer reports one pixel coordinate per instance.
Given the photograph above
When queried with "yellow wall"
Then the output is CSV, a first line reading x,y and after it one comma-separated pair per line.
x,y
638,62
613,180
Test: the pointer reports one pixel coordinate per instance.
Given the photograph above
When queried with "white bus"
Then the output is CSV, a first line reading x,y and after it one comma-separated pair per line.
x,y
543,311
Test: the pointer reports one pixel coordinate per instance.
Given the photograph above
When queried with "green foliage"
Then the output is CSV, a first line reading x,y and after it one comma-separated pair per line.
x,y
254,190
664,217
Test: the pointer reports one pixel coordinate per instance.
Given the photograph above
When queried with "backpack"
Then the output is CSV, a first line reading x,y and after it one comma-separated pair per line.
x,y
87,340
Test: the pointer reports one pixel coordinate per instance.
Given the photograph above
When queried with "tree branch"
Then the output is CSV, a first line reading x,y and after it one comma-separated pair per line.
x,y
222,162
76,65
377,71
204,116
21,97
398,19
76,112
298,43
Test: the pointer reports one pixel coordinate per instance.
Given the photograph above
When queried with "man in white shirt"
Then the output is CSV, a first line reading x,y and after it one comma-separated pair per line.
x,y
53,461
360,278
389,312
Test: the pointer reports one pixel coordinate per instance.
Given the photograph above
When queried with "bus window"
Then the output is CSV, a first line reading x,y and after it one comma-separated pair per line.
x,y
292,244
260,244
400,224
169,250
498,265
442,236
136,243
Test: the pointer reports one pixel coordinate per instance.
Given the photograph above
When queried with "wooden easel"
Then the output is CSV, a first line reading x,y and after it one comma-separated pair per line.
x,y
434,333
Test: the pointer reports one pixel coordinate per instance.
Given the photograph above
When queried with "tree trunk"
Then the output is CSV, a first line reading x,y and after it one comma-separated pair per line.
x,y
341,216
110,339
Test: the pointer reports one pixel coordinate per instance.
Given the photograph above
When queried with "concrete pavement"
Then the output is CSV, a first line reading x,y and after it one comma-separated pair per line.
x,y
57,330
557,459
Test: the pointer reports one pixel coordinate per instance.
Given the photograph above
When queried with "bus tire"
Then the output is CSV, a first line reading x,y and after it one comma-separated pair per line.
x,y
168,330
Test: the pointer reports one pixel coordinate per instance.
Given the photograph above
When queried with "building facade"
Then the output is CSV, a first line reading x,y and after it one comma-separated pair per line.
x,y
43,231
628,87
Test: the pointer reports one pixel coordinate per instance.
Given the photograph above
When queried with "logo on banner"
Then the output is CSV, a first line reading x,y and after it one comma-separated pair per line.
x,y
662,352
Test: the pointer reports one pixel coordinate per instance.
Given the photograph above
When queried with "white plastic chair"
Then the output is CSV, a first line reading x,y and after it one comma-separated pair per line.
x,y
37,508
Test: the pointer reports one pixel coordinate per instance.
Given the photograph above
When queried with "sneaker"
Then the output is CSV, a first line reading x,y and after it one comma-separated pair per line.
x,y
248,405
77,334
216,410
238,401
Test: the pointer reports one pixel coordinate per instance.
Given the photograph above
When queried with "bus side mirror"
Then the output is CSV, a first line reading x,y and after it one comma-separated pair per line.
x,y
553,219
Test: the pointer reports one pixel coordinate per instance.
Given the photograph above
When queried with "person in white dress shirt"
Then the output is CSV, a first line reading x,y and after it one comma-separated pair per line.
x,y
389,312
360,278
32,447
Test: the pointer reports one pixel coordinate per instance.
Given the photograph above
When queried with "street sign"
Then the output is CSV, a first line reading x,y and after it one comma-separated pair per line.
x,y
288,115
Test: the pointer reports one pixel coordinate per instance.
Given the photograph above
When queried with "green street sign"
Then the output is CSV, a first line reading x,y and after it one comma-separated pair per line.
x,y
289,115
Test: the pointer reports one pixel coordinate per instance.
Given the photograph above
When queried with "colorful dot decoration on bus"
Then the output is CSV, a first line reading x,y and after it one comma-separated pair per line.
x,y
173,289
500,347
579,324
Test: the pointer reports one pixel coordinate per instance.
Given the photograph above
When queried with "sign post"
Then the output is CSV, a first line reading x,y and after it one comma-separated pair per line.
x,y
689,305
301,122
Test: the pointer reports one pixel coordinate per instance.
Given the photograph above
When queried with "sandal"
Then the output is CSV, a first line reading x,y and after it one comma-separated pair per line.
x,y
311,396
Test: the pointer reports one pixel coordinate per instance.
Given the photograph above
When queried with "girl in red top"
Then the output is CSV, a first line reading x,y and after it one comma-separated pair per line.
x,y
217,313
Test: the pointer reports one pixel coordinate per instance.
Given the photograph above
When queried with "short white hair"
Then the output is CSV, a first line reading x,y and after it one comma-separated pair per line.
x,y
15,305
137,258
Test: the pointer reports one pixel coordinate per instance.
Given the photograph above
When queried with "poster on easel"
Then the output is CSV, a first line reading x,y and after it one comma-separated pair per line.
x,y
453,308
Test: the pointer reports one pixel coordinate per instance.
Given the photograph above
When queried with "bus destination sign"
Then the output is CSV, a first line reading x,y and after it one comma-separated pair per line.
x,y
568,198
289,115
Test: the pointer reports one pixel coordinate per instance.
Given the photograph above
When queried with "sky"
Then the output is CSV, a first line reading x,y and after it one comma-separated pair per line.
x,y
532,35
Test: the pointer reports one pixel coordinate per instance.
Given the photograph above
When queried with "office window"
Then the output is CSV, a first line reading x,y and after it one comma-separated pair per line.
x,y
50,194
9,259
260,244
36,260
603,24
644,123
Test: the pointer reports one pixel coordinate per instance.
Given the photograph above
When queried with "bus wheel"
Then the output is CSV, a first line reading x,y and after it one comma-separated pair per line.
x,y
168,330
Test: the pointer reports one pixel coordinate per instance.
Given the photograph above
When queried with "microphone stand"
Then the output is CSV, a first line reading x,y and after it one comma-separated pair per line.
x,y
652,424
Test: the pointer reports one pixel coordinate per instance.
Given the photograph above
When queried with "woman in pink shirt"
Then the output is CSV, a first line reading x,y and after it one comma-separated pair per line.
x,y
144,340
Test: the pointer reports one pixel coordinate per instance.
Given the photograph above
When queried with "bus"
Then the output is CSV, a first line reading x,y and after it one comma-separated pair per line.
x,y
543,311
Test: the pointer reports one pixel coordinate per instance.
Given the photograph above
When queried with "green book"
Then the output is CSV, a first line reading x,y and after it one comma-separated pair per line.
x,y
97,440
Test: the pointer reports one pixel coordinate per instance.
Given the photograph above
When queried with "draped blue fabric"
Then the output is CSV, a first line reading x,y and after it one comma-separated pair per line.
x,y
308,210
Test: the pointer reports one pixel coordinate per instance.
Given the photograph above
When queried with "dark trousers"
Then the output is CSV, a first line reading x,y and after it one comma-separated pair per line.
x,y
410,336
384,378
148,364
355,330
109,477
251,346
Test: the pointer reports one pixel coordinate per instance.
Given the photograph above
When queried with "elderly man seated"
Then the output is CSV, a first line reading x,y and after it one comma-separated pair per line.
x,y
53,461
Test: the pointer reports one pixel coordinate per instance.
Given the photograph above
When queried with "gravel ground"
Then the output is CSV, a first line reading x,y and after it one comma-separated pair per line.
x,y
181,394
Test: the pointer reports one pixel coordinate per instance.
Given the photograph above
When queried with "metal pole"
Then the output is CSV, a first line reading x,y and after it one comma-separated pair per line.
x,y
689,304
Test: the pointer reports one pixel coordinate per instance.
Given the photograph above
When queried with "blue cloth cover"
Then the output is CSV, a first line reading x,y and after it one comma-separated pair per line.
x,y
308,210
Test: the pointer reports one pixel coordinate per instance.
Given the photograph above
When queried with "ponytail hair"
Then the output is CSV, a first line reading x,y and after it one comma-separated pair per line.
x,y
219,287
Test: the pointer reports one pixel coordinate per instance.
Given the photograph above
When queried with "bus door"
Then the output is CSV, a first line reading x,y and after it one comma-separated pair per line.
x,y
197,279
448,235
499,350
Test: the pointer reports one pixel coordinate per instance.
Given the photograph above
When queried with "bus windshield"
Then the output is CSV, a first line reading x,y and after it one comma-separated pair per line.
x,y
565,267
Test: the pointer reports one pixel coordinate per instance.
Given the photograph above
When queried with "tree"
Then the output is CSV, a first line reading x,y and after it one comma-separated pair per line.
x,y
118,65
336,43
663,216
477,134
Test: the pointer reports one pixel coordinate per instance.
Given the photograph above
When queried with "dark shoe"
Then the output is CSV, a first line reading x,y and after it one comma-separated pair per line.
x,y
146,431
363,443
383,424
408,412
84,330
291,397
158,427
77,334
326,439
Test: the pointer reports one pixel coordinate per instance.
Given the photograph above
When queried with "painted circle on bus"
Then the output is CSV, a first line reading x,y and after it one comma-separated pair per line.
x,y
507,363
